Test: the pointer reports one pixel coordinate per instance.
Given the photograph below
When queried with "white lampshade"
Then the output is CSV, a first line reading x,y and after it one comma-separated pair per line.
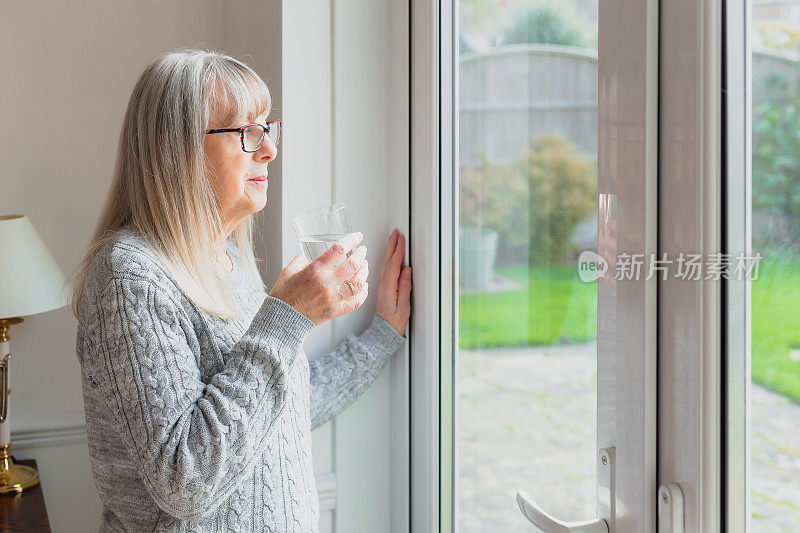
x,y
30,280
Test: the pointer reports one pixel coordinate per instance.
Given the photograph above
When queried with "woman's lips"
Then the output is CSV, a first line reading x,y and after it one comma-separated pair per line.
x,y
258,178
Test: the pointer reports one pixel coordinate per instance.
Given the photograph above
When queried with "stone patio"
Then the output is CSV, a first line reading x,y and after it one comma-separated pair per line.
x,y
538,435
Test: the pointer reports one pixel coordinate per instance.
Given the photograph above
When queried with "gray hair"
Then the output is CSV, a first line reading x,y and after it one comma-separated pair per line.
x,y
162,182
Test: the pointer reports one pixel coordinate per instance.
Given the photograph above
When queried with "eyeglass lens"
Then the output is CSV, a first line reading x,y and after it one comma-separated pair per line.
x,y
254,134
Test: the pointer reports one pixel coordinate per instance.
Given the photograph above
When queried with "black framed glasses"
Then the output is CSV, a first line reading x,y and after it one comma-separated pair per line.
x,y
252,135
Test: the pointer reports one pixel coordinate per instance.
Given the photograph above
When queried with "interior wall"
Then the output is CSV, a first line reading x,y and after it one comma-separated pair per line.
x,y
69,70
371,174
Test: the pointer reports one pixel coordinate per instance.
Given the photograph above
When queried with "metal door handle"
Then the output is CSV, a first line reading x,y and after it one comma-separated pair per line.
x,y
549,524
606,500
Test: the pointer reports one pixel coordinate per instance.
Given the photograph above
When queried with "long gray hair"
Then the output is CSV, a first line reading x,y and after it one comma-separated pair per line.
x,y
163,185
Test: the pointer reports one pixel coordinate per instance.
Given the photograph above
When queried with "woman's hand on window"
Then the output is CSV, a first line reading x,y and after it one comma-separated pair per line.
x,y
394,292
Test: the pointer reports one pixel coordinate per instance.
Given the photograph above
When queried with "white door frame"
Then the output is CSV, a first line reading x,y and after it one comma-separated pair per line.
x,y
628,77
429,278
627,181
691,342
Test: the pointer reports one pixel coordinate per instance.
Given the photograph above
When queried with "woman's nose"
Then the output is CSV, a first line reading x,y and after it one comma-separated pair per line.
x,y
268,151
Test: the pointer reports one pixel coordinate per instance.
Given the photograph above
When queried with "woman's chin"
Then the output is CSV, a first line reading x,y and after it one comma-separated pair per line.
x,y
261,202
258,199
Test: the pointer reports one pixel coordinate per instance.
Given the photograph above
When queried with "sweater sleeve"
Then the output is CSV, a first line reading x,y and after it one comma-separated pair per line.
x,y
193,442
338,377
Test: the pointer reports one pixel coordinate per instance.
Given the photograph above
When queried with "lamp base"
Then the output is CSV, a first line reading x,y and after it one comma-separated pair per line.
x,y
13,477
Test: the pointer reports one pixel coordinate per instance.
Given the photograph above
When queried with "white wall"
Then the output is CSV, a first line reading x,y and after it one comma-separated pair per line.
x,y
371,174
346,114
69,69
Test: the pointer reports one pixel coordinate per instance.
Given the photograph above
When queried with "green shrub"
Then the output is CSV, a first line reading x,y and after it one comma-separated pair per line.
x,y
534,204
496,197
776,152
549,22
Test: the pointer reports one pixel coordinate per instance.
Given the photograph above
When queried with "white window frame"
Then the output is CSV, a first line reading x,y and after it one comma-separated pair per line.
x,y
628,127
737,239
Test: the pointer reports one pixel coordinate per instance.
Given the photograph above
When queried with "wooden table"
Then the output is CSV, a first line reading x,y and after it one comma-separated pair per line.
x,y
24,511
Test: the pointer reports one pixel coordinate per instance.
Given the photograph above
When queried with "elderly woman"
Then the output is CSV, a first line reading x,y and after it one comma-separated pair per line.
x,y
199,399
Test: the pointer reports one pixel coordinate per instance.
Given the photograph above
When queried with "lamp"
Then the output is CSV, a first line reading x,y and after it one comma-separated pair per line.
x,y
30,283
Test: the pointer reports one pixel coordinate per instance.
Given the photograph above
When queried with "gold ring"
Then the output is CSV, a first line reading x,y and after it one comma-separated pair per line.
x,y
351,287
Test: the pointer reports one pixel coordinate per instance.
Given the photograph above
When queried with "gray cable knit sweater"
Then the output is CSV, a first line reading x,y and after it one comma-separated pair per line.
x,y
195,424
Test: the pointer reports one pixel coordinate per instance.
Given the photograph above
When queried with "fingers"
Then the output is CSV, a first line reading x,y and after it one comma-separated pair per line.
x,y
351,265
359,285
359,281
363,271
338,250
404,291
389,251
393,269
353,302
362,275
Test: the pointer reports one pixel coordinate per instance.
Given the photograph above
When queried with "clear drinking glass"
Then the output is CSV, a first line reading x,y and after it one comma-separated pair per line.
x,y
319,228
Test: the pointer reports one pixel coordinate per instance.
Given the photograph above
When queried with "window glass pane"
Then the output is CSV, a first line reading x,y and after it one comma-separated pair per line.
x,y
775,328
526,363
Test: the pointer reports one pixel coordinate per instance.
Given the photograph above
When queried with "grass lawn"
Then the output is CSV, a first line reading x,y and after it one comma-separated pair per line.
x,y
555,306
552,306
776,326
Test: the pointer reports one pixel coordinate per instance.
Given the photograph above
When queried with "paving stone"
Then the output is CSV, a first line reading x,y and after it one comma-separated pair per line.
x,y
527,420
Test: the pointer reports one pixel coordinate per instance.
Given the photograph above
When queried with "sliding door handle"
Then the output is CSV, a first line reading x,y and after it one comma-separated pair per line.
x,y
549,524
